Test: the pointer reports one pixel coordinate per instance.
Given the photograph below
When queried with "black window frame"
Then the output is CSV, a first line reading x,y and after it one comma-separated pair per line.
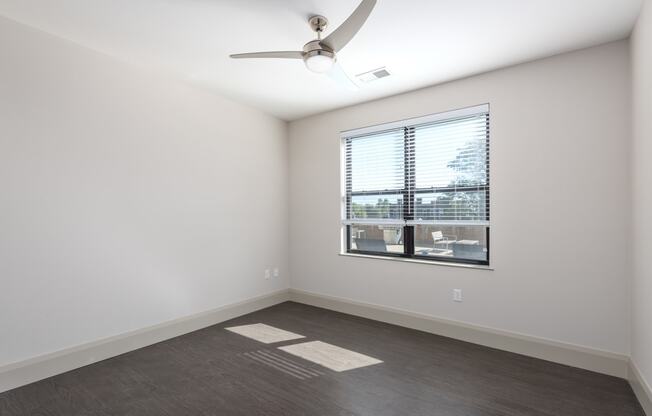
x,y
408,203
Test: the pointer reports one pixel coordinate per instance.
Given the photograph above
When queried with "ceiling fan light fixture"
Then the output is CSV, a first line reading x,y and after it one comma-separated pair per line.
x,y
319,54
319,61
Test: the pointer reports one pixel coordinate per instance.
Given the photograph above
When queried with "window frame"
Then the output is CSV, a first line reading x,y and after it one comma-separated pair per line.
x,y
409,191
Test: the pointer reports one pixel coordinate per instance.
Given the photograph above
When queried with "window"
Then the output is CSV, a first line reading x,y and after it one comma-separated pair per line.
x,y
419,188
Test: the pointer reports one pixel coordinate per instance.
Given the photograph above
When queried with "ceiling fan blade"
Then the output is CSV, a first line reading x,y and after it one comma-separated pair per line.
x,y
275,54
338,75
343,34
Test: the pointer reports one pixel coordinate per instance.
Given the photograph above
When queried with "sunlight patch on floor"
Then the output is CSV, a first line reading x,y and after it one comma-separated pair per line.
x,y
330,356
264,333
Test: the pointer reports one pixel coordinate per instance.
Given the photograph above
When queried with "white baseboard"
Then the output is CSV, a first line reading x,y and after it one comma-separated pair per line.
x,y
573,355
34,369
641,388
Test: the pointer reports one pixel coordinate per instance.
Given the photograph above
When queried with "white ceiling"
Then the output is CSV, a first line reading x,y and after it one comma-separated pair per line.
x,y
421,42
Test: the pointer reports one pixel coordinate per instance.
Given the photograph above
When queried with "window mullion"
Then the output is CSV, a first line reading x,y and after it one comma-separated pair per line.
x,y
349,178
408,192
348,190
487,164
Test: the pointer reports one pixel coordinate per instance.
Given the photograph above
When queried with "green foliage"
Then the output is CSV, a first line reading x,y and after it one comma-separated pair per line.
x,y
470,164
381,209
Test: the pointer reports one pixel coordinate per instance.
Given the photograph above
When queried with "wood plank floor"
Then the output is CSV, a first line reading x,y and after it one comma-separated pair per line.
x,y
217,372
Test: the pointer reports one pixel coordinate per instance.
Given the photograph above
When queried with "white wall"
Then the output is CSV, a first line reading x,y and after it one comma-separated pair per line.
x,y
560,157
127,199
642,193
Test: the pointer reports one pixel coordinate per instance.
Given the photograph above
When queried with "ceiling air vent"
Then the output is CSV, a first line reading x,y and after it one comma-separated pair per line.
x,y
373,75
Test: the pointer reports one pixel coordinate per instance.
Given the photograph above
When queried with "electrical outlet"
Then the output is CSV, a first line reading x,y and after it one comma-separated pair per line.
x,y
457,295
267,274
276,272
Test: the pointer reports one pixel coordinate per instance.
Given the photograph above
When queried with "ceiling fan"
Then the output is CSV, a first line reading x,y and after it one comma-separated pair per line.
x,y
319,55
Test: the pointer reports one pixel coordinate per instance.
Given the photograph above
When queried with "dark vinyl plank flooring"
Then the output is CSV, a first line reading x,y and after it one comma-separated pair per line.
x,y
211,372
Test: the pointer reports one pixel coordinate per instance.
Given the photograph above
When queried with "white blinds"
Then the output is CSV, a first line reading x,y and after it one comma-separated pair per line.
x,y
431,170
375,176
452,171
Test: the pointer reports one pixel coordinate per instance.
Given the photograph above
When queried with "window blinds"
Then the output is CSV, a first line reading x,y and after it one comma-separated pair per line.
x,y
375,177
431,170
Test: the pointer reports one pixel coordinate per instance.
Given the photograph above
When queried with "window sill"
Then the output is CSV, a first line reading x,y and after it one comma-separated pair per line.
x,y
418,261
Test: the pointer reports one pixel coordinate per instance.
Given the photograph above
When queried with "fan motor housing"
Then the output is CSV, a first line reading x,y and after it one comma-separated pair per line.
x,y
315,47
